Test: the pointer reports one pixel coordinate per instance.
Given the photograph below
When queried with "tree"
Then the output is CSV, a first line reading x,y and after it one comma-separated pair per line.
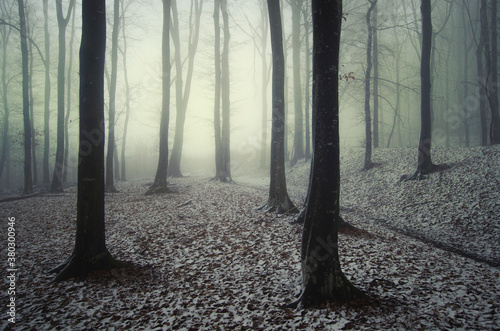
x,y
183,92
222,125
127,96
62,22
28,179
110,186
46,105
278,201
298,138
31,104
368,121
5,31
376,114
160,183
90,252
322,277
492,92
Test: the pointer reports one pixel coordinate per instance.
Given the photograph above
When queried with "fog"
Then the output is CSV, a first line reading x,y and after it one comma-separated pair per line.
x,y
455,25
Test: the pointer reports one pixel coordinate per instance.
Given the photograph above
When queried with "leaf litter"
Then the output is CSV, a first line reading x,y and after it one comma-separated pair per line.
x,y
205,259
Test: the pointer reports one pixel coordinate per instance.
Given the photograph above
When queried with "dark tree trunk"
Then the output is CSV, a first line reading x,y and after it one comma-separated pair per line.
x,y
32,103
466,75
322,277
183,92
28,179
160,183
425,165
90,252
110,178
481,73
58,167
307,28
298,138
278,201
493,85
68,101
368,120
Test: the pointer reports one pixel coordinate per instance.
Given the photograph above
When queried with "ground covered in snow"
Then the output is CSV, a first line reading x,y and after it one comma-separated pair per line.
x,y
204,259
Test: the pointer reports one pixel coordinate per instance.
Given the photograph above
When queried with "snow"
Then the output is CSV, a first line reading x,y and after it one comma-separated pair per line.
x,y
217,263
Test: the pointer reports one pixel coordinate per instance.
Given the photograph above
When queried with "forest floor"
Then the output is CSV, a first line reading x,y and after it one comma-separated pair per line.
x,y
205,259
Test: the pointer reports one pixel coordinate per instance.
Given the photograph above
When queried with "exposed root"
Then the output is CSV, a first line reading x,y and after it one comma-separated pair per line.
x,y
80,266
157,189
285,207
421,174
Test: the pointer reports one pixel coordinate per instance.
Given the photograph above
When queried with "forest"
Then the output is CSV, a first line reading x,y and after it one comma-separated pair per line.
x,y
263,165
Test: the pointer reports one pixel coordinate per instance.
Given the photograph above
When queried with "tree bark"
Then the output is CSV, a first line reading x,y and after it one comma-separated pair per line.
x,y
368,120
183,92
46,112
110,178
298,138
493,85
322,277
5,32
482,73
308,75
376,119
278,200
160,183
90,252
59,162
28,179
32,103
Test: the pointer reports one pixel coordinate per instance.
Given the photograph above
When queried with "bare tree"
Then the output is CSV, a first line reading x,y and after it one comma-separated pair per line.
x,y
46,112
62,24
322,277
160,183
368,121
90,252
278,200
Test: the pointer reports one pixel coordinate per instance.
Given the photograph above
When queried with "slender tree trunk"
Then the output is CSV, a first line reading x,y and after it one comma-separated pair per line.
x,y
306,14
298,138
68,104
5,33
368,120
219,169
183,91
62,23
28,179
376,119
90,252
110,185
481,74
225,94
322,277
493,85
466,75
32,103
127,96
278,200
46,112
265,83
160,183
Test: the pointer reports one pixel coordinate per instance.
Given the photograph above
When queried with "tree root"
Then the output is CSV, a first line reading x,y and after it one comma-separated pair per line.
x,y
80,266
157,189
421,174
285,207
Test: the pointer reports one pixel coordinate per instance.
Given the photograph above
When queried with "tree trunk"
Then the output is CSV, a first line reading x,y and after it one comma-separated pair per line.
x,y
225,93
110,178
376,119
58,167
481,74
466,76
424,147
28,179
278,201
182,92
265,83
368,120
127,97
306,14
5,32
493,85
68,104
32,103
322,277
90,252
160,183
298,138
46,105
219,170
